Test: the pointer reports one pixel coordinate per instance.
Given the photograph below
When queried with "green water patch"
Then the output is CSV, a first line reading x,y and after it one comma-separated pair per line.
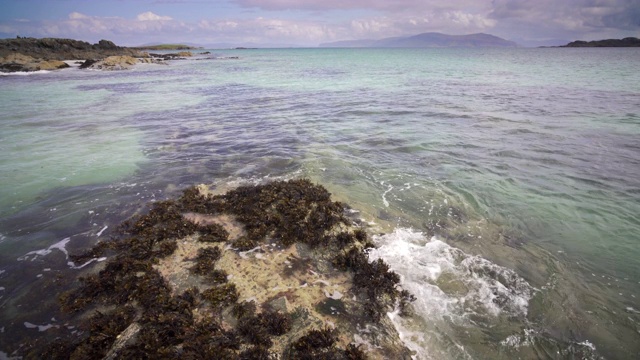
x,y
77,130
40,159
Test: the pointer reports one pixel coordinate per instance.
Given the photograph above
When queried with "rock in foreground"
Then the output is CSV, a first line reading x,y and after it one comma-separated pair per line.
x,y
260,272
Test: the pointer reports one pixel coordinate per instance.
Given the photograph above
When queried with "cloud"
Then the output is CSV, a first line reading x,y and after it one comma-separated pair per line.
x,y
571,15
324,5
149,16
380,5
78,16
323,21
145,27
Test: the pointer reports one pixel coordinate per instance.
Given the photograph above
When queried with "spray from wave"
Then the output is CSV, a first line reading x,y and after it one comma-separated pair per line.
x,y
454,290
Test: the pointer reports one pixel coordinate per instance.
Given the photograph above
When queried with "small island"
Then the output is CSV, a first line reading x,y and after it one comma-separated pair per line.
x,y
626,42
166,47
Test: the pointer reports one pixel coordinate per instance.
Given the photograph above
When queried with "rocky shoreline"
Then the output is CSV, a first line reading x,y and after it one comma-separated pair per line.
x,y
31,54
273,271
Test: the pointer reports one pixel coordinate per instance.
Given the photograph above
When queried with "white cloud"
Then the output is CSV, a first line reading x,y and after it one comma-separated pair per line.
x,y
77,16
149,16
519,19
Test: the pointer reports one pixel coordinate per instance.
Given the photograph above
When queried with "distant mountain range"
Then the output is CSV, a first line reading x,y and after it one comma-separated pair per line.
x,y
428,40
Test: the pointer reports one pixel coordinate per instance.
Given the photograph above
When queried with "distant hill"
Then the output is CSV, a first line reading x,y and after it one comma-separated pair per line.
x,y
626,42
161,47
428,40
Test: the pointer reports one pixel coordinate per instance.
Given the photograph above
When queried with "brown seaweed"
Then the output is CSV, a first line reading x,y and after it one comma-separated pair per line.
x,y
221,296
213,233
206,260
320,344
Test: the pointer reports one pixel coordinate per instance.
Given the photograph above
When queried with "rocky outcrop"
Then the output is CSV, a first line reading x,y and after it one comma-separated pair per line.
x,y
273,271
30,54
19,62
172,56
63,49
117,63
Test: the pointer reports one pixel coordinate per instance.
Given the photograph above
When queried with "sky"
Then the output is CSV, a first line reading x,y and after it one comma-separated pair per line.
x,y
311,22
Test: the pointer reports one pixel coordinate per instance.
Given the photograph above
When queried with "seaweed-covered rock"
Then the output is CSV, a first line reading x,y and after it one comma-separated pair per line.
x,y
176,295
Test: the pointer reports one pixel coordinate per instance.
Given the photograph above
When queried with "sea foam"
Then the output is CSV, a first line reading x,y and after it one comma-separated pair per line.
x,y
450,286
61,246
24,73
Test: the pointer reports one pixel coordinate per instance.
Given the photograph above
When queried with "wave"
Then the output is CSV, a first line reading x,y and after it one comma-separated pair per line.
x,y
23,73
453,289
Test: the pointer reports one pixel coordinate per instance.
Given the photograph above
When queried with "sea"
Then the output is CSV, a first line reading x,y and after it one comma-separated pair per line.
x,y
503,185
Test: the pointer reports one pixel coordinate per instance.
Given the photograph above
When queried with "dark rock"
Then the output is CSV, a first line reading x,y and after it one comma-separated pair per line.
x,y
63,49
106,44
19,62
87,63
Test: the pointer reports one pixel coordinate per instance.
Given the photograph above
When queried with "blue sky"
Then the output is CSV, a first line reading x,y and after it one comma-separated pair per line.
x,y
310,22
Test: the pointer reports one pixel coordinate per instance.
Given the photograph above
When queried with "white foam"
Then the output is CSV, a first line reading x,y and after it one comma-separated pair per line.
x,y
40,328
23,73
384,194
588,344
73,266
101,231
61,246
450,286
472,285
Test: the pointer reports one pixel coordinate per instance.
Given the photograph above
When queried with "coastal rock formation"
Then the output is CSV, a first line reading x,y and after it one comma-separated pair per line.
x,y
29,54
117,63
18,62
260,272
172,56
111,63
64,49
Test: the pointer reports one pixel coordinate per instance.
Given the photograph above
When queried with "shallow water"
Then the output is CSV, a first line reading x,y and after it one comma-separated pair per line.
x,y
507,181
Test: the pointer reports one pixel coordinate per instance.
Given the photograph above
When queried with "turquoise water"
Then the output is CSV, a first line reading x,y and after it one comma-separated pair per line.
x,y
506,181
